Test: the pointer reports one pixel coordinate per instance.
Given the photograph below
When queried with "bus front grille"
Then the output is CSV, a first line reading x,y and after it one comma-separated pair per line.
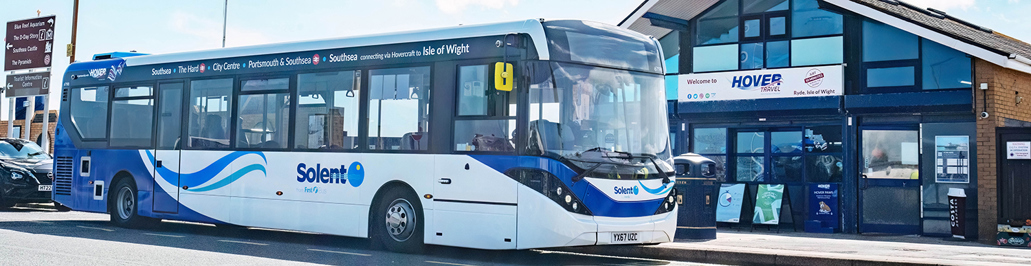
x,y
63,175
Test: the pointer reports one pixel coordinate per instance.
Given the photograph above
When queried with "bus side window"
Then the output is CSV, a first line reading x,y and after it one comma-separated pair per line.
x,y
484,121
327,110
210,101
399,108
263,114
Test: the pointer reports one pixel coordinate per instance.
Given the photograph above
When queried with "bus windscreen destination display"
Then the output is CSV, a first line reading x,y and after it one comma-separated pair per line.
x,y
309,60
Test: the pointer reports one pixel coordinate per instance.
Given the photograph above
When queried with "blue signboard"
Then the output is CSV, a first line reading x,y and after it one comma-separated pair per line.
x,y
823,204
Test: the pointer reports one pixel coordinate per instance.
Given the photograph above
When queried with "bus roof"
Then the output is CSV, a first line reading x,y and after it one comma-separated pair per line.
x,y
532,27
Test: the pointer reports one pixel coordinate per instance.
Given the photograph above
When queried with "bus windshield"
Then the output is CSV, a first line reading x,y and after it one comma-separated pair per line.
x,y
600,115
20,149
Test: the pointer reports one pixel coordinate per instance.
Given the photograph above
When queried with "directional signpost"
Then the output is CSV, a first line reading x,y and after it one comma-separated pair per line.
x,y
28,54
30,43
31,84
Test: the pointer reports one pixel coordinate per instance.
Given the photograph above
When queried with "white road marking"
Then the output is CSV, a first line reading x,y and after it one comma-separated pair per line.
x,y
340,252
242,242
41,222
152,234
447,263
96,228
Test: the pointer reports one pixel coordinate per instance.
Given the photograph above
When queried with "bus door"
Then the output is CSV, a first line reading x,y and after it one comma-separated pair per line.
x,y
166,155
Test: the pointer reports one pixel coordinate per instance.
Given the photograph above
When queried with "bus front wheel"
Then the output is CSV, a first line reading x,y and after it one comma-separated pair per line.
x,y
397,222
123,205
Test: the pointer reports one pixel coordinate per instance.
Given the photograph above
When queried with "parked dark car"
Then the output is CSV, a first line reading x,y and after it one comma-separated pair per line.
x,y
24,173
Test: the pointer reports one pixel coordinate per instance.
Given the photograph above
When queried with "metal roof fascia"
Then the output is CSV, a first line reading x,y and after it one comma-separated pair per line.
x,y
532,27
983,54
641,9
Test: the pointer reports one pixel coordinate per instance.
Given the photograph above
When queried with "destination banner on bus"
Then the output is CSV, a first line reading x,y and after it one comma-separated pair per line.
x,y
407,53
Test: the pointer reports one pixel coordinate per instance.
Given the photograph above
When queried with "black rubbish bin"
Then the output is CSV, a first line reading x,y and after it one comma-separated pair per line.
x,y
696,187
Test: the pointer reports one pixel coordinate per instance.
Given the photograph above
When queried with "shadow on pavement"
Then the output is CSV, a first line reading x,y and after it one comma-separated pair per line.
x,y
293,246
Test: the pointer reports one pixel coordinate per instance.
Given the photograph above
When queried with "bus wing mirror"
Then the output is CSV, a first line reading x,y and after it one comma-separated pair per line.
x,y
503,76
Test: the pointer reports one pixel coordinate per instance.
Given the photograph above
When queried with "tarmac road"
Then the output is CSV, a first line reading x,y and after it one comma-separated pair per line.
x,y
39,235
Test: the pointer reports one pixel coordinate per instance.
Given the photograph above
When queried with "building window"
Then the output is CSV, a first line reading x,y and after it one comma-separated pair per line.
x,y
720,25
763,32
897,61
716,58
943,67
712,143
817,51
885,43
808,20
778,156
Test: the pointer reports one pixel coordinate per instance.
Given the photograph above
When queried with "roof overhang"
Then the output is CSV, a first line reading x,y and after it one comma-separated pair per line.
x,y
1015,62
660,17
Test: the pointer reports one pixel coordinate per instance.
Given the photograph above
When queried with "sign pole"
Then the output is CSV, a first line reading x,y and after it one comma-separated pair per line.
x,y
75,26
30,111
10,118
45,140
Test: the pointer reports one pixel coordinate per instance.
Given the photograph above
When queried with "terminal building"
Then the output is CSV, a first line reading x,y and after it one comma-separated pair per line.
x,y
893,103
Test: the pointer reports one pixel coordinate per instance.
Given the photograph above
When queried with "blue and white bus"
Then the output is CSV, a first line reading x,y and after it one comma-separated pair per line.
x,y
512,135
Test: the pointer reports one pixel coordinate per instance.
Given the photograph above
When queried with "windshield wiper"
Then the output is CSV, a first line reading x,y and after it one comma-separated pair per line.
x,y
35,153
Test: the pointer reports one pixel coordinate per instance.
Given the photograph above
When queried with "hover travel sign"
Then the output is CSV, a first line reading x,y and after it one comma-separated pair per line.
x,y
29,43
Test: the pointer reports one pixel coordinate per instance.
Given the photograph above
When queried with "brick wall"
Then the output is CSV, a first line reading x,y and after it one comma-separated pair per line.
x,y
36,128
1004,85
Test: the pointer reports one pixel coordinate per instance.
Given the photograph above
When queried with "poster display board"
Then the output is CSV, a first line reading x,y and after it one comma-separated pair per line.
x,y
952,159
728,209
823,204
768,198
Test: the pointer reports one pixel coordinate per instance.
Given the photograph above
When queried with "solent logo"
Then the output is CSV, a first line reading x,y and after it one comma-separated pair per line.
x,y
201,181
626,190
764,82
353,174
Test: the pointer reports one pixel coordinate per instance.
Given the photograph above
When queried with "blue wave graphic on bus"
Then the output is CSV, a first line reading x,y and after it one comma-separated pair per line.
x,y
204,175
657,191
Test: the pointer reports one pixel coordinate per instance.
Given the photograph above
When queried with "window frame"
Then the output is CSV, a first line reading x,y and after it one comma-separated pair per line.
x,y
107,114
231,109
455,117
112,88
290,91
365,132
361,133
764,38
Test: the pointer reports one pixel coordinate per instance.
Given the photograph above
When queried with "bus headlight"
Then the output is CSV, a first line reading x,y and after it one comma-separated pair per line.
x,y
569,199
668,203
558,191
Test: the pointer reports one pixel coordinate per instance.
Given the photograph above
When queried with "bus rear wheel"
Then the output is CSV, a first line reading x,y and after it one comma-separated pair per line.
x,y
397,221
123,205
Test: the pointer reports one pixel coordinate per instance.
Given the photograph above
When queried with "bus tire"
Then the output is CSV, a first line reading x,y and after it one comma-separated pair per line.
x,y
123,205
397,223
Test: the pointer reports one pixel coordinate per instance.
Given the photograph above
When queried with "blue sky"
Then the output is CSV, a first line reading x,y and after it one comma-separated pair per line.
x,y
186,25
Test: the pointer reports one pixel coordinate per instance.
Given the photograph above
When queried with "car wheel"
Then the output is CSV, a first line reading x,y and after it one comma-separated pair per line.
x,y
397,222
61,208
123,206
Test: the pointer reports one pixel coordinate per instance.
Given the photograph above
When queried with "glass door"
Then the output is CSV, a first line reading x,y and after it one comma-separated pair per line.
x,y
889,180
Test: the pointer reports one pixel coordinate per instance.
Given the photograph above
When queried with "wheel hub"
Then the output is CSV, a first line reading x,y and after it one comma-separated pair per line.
x,y
400,220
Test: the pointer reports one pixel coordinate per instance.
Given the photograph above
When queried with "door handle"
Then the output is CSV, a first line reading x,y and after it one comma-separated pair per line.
x,y
157,164
445,181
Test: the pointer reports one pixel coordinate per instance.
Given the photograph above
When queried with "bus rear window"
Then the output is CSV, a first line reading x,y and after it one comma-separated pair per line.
x,y
89,111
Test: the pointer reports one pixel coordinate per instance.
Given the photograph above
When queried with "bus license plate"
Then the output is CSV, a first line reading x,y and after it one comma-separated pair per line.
x,y
624,237
46,187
